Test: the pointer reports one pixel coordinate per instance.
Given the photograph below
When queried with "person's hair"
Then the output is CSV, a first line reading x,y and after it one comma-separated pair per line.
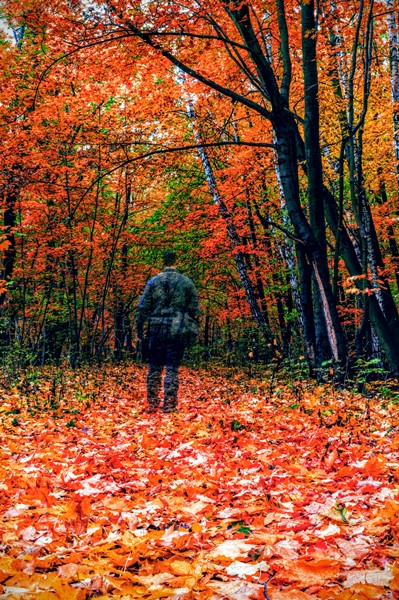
x,y
169,258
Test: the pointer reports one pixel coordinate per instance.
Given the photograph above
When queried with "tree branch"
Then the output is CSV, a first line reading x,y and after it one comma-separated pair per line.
x,y
146,38
168,151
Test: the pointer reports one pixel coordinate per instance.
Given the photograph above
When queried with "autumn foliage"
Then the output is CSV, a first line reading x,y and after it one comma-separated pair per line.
x,y
249,481
259,139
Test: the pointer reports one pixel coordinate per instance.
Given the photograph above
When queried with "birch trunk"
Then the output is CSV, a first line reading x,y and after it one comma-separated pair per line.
x,y
393,26
231,232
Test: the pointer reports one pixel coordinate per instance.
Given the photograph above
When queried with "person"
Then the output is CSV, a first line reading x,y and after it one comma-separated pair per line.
x,y
170,308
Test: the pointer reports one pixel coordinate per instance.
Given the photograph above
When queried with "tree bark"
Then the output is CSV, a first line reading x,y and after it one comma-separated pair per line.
x,y
315,172
393,32
9,219
256,311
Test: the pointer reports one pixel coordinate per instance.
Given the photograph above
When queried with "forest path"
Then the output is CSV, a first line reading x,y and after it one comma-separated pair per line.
x,y
101,499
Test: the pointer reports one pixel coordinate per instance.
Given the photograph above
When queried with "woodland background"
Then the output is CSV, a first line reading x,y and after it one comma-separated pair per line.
x,y
260,140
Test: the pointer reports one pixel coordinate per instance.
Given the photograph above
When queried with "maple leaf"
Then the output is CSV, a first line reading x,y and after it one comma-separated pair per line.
x,y
93,520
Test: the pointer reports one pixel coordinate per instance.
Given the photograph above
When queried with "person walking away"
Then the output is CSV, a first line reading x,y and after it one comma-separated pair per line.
x,y
170,308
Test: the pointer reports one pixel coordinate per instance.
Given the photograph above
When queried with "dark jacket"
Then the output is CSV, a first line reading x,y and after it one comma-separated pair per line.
x,y
165,295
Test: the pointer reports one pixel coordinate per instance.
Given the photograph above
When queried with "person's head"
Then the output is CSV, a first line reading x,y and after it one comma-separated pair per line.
x,y
169,258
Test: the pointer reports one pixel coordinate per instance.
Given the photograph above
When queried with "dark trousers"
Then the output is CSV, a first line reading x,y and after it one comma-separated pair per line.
x,y
163,353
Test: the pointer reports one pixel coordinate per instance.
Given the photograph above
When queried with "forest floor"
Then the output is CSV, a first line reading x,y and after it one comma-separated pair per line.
x,y
252,490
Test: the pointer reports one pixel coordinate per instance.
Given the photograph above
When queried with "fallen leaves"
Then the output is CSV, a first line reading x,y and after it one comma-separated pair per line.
x,y
372,577
127,505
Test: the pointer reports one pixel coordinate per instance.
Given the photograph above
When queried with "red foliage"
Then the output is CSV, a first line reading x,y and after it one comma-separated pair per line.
x,y
101,499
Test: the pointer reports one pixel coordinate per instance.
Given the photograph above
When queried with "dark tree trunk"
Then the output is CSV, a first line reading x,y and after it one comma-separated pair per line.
x,y
123,328
308,324
387,337
314,167
10,198
316,256
254,241
285,129
74,355
393,245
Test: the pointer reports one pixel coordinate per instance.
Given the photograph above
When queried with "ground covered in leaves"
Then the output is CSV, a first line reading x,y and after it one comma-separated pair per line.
x,y
252,490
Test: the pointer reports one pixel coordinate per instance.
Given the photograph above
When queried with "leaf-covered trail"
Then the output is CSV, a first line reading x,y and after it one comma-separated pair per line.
x,y
100,499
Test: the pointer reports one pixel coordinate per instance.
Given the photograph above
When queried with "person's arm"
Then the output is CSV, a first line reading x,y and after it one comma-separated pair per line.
x,y
143,310
193,308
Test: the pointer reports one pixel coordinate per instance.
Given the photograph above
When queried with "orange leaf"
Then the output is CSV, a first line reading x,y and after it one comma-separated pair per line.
x,y
85,506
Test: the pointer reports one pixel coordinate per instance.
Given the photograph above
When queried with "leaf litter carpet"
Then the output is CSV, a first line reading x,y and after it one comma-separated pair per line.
x,y
247,492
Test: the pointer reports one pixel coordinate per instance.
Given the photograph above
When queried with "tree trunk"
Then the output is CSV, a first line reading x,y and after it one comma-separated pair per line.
x,y
302,288
10,198
385,334
393,27
289,177
256,311
254,243
285,127
314,168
